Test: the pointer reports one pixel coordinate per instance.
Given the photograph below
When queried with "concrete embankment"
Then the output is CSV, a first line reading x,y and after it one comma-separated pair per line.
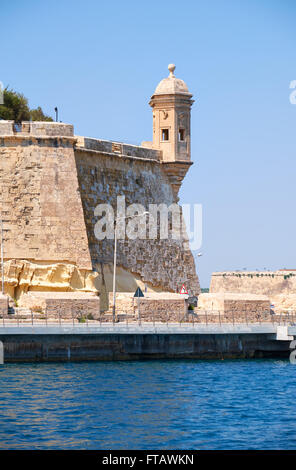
x,y
81,343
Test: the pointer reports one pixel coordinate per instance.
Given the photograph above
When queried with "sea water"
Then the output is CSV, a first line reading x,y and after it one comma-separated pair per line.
x,y
184,404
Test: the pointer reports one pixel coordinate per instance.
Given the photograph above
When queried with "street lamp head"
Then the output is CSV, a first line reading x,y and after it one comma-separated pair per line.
x,y
132,216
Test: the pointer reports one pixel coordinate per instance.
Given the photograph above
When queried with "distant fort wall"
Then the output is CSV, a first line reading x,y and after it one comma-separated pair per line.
x,y
254,282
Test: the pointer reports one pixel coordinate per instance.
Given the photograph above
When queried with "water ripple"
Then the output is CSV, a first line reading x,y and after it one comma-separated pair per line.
x,y
148,405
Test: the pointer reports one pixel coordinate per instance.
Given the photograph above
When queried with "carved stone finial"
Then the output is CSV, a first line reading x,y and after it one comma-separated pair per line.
x,y
171,68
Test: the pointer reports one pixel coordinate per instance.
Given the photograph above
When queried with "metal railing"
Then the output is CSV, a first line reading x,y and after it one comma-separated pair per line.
x,y
192,319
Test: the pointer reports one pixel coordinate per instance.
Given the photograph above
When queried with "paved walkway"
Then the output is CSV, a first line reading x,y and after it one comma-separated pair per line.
x,y
144,328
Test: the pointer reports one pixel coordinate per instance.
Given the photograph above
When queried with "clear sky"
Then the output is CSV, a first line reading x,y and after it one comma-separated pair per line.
x,y
99,62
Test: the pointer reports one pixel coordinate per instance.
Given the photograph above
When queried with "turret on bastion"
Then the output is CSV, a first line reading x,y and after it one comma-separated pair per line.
x,y
171,107
51,182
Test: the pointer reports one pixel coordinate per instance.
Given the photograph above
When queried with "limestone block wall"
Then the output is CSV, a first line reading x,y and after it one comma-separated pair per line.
x,y
36,128
118,148
41,204
51,183
73,308
279,286
161,307
252,309
230,307
3,305
6,127
284,302
52,129
64,305
162,264
266,283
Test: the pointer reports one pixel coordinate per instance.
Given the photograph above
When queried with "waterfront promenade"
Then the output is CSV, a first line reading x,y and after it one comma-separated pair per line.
x,y
144,328
64,341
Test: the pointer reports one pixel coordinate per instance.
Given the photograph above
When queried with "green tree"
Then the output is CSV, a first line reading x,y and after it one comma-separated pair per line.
x,y
38,115
16,108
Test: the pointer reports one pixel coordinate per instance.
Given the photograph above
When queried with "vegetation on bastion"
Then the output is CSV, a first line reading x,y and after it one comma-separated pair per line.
x,y
16,108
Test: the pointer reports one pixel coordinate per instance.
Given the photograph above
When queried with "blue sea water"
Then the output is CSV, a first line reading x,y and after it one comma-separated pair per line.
x,y
237,404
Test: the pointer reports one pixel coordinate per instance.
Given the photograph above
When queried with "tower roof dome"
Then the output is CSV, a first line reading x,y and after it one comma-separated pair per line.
x,y
171,85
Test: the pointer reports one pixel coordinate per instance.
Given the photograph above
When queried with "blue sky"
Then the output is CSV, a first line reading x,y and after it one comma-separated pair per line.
x,y
99,62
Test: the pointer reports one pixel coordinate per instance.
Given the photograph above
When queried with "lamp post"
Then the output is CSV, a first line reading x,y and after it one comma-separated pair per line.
x,y
115,258
114,269
2,259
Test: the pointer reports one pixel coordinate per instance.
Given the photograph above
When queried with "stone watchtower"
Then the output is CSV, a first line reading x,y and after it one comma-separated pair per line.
x,y
171,104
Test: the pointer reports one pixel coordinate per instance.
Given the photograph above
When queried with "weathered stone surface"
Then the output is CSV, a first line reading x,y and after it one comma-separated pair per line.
x,y
3,305
22,276
106,146
234,307
162,264
171,103
279,286
162,306
51,183
64,305
36,128
266,283
284,302
6,127
42,209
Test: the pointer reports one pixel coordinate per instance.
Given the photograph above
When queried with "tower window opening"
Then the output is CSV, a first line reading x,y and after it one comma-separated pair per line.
x,y
164,134
181,135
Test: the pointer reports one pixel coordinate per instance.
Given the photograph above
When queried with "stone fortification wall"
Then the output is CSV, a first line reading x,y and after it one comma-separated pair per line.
x,y
279,286
233,307
158,307
120,149
58,306
41,205
36,128
3,305
70,305
51,183
45,240
266,283
162,264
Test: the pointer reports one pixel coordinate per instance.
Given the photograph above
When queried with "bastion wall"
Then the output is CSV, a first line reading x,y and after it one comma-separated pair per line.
x,y
162,264
51,182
